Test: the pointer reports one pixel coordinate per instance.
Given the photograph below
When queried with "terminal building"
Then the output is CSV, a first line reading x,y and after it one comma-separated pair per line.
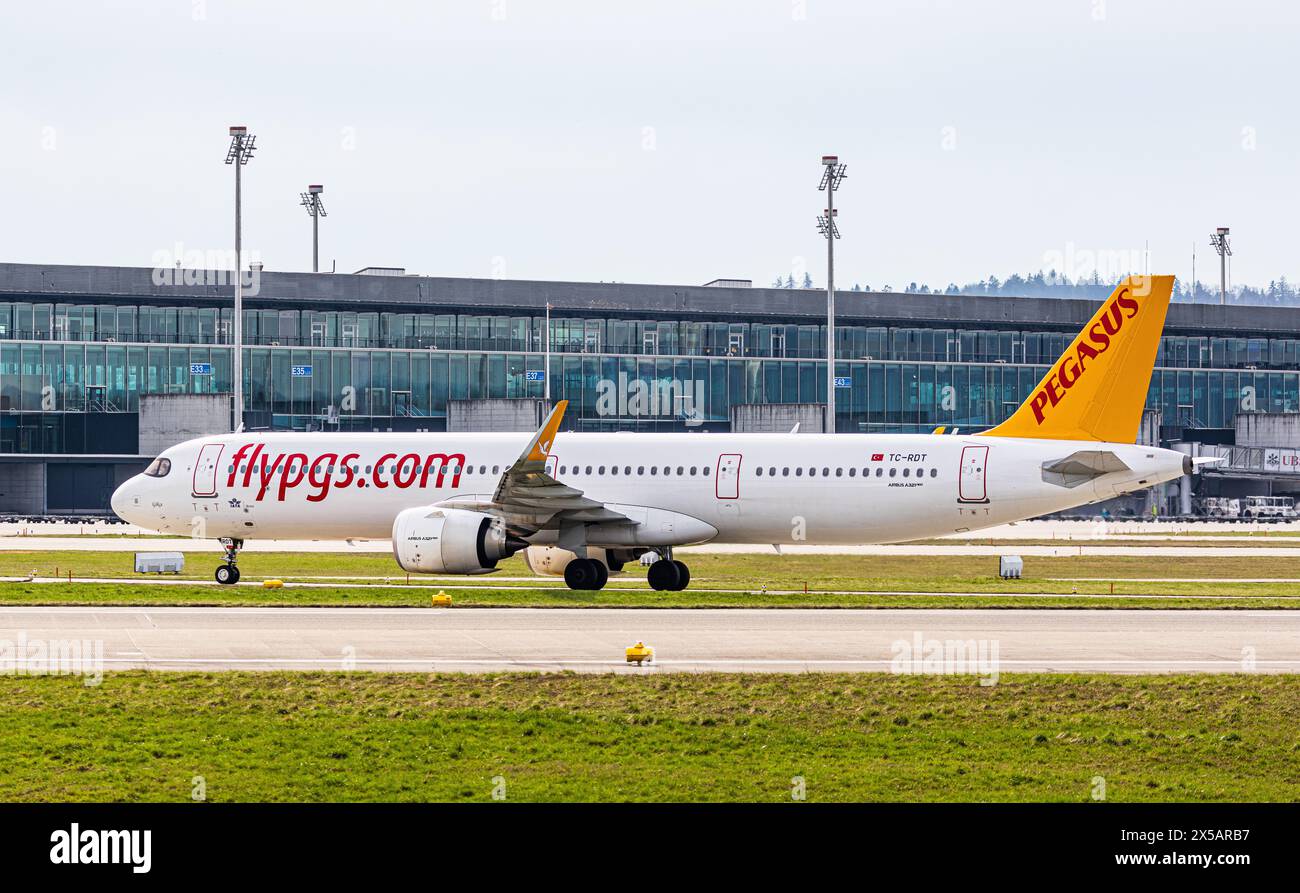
x,y
101,367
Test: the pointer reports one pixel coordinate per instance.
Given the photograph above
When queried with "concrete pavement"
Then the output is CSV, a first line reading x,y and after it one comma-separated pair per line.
x,y
593,639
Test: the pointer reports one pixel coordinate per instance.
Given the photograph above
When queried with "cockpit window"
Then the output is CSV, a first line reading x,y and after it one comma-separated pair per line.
x,y
159,468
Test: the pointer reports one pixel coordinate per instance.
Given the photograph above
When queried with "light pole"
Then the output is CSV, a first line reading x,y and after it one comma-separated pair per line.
x,y
832,174
1220,242
316,209
241,148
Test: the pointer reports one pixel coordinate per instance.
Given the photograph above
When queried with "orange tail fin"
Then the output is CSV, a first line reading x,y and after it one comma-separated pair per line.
x,y
1097,389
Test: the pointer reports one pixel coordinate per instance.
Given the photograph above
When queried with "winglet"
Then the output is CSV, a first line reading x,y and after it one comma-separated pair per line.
x,y
540,447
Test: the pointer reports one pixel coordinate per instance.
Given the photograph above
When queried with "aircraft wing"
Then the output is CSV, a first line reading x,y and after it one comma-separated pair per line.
x,y
529,499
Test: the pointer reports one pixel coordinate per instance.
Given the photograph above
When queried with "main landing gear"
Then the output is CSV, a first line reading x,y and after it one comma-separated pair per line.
x,y
668,574
592,574
228,573
586,573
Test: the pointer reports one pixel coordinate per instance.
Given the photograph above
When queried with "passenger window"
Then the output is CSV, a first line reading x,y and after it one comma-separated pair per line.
x,y
758,471
853,472
893,472
906,472
640,469
613,469
826,472
771,471
600,470
879,472
839,472
706,471
798,472
562,469
934,472
627,469
654,469
694,470
785,472
588,469
680,470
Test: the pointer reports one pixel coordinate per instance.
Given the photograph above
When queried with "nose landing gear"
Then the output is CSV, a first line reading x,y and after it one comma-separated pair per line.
x,y
228,573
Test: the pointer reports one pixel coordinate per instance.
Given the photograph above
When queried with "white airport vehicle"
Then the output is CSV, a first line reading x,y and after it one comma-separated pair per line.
x,y
1221,508
583,504
1269,507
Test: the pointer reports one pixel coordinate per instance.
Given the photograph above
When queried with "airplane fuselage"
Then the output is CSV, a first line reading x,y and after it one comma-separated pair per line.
x,y
743,488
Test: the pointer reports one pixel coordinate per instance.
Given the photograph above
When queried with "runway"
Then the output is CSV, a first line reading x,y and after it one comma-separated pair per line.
x,y
594,639
1169,547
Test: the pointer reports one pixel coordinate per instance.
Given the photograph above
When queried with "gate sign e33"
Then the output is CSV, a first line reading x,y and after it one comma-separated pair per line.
x,y
300,371
200,368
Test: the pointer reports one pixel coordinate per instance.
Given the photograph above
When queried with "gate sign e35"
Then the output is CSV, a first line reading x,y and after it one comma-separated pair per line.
x,y
200,368
300,371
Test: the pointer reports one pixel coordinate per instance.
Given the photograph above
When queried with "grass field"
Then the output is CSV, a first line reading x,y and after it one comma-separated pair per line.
x,y
760,580
309,737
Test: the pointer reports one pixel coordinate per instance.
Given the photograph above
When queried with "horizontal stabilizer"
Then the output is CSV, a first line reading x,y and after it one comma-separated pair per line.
x,y
1081,467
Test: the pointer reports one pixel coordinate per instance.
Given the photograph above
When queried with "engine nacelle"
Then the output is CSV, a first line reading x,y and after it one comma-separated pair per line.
x,y
451,541
550,561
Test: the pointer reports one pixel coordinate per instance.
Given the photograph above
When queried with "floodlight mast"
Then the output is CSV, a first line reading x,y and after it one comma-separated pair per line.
x,y
242,144
832,175
311,200
1219,239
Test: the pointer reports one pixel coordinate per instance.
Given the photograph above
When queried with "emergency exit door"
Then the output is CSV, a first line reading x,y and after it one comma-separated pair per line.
x,y
727,481
970,483
205,469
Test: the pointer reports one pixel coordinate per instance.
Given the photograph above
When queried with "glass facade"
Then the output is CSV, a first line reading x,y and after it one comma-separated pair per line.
x,y
71,375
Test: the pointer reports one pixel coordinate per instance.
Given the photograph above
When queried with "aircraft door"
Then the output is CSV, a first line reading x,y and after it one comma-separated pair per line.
x,y
206,468
727,481
970,482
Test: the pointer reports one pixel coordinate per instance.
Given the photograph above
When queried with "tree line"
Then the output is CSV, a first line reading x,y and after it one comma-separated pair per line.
x,y
1050,284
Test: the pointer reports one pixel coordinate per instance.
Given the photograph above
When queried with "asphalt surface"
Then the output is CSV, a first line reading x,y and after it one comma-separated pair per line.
x,y
594,639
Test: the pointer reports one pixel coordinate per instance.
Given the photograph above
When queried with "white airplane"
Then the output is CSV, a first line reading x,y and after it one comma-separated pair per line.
x,y
582,505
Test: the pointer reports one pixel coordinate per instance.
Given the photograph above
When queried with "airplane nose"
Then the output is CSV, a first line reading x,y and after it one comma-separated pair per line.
x,y
121,500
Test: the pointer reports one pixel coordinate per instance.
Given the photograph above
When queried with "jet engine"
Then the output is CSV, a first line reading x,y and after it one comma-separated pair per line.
x,y
451,541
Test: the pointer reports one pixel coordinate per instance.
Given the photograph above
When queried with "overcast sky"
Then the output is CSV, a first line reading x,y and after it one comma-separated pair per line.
x,y
657,141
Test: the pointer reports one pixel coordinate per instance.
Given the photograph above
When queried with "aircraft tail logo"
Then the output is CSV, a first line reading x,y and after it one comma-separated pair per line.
x,y
1097,388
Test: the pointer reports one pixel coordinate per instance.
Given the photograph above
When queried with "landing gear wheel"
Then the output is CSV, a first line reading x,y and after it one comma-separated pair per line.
x,y
663,575
683,576
586,574
228,573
